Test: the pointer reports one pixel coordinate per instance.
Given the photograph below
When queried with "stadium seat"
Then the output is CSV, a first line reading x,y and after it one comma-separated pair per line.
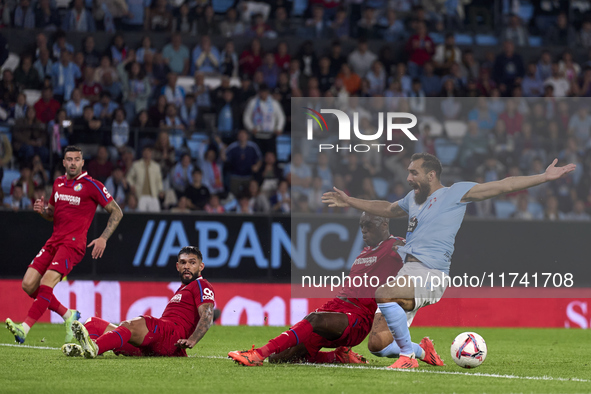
x,y
486,39
446,151
504,209
536,209
464,39
535,41
283,145
437,38
299,7
380,185
526,12
9,177
434,124
455,129
32,96
186,83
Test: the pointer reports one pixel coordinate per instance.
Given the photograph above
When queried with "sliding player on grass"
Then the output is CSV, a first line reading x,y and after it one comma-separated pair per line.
x,y
185,320
435,215
346,320
71,207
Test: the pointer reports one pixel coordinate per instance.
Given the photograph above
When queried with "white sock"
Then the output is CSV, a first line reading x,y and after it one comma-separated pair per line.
x,y
67,314
26,328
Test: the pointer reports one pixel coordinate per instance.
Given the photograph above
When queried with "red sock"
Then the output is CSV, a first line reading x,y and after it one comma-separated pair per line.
x,y
42,301
54,304
323,358
96,327
113,339
128,350
299,333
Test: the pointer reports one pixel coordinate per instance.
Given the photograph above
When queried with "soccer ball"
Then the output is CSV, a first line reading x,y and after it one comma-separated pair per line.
x,y
468,350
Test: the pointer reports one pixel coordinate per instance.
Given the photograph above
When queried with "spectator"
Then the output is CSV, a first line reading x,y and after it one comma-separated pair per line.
x,y
105,68
206,57
63,77
316,26
112,86
189,112
585,34
156,69
212,166
174,94
579,126
176,129
569,68
9,91
197,194
231,26
136,87
228,117
43,64
46,107
251,59
157,112
90,90
584,89
482,114
325,76
420,48
392,29
119,50
265,119
183,22
377,79
138,15
164,153
361,58
79,19
88,128
282,24
447,54
101,167
308,59
515,32
430,82
351,80
119,132
258,202
159,19
353,173
281,201
145,180
229,60
176,55
29,137
296,78
17,201
473,148
19,111
511,117
301,175
578,213
24,15
270,71
103,110
202,93
522,212
26,76
545,66
60,131
26,181
260,28
531,85
117,185
60,44
46,17
146,48
561,33
501,144
417,98
559,84
214,205
181,174
91,56
551,211
269,174
469,67
75,107
243,160
528,146
130,203
508,68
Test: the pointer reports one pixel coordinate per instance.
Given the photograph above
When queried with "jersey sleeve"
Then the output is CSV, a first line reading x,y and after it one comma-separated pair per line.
x,y
203,293
100,194
405,202
458,190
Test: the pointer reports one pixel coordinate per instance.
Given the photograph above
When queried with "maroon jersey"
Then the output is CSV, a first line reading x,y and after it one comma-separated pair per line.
x,y
75,202
183,306
380,262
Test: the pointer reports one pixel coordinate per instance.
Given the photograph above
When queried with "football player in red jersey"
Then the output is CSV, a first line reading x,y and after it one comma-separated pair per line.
x,y
185,320
71,207
344,321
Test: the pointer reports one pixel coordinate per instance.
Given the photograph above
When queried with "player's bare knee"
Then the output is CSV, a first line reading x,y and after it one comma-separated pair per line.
x,y
313,319
28,287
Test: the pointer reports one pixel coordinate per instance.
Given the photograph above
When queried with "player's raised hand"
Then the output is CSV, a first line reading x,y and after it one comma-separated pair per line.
x,y
338,198
99,247
185,343
39,205
553,172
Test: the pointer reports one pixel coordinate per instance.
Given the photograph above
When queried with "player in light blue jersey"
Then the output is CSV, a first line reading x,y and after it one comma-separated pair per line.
x,y
435,214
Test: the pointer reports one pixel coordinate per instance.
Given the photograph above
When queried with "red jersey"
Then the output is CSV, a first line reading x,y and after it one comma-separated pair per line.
x,y
183,307
91,90
380,262
75,202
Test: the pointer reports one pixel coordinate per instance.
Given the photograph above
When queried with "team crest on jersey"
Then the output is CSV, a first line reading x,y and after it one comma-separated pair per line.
x,y
78,187
176,298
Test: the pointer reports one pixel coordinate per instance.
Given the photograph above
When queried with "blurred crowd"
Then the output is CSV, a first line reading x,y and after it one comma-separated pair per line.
x,y
162,136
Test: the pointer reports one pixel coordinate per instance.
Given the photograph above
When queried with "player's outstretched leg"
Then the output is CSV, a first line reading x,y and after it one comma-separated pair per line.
x,y
89,348
341,355
17,330
72,350
74,315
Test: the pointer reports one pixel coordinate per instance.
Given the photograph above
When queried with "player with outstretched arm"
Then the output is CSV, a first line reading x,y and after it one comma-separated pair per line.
x,y
346,320
435,215
71,207
184,322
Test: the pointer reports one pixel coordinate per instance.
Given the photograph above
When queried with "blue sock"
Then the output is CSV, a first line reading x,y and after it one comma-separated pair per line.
x,y
396,319
393,351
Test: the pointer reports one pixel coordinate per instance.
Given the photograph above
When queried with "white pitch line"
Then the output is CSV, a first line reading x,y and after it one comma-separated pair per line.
x,y
480,374
485,375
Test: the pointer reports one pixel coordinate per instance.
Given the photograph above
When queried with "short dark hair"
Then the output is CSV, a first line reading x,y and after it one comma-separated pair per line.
x,y
190,250
430,163
72,148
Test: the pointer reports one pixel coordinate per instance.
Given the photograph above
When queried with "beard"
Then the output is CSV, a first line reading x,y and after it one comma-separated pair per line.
x,y
191,279
422,193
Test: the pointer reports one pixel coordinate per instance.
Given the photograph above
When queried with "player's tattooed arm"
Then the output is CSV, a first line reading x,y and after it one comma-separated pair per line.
x,y
116,215
100,243
205,321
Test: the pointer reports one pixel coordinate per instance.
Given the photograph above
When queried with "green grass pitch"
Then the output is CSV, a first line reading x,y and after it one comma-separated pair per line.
x,y
519,360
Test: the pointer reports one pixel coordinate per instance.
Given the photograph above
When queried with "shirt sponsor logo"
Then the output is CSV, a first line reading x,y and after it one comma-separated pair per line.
x,y
367,261
78,187
73,200
176,298
207,294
